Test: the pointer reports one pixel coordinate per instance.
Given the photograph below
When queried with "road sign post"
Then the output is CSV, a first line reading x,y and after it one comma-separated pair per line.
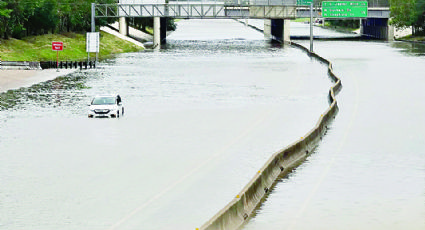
x,y
57,46
308,3
92,44
344,9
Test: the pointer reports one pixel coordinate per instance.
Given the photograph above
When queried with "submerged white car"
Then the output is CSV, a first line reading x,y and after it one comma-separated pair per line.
x,y
106,106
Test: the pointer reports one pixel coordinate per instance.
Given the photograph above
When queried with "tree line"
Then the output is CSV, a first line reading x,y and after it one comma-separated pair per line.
x,y
20,18
406,13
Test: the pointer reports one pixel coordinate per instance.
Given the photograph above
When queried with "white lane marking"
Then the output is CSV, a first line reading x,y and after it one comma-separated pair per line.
x,y
326,170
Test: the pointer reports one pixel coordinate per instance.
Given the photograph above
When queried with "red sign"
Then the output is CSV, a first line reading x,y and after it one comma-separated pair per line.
x,y
57,46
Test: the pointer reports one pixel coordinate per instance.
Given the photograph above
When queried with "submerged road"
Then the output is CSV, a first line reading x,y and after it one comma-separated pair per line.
x,y
202,116
369,171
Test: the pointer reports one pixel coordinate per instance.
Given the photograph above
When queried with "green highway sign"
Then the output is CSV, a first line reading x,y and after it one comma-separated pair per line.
x,y
304,2
344,9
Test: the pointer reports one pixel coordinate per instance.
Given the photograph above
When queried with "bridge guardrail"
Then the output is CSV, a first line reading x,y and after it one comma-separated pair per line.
x,y
260,2
197,9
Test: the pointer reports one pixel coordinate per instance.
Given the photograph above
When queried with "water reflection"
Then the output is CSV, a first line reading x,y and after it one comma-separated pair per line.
x,y
66,91
194,111
410,48
365,174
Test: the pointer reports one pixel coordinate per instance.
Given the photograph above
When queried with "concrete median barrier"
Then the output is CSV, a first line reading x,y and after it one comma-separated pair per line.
x,y
279,164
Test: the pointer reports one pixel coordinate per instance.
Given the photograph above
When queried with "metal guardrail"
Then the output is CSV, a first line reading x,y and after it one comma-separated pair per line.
x,y
19,65
378,3
200,9
236,9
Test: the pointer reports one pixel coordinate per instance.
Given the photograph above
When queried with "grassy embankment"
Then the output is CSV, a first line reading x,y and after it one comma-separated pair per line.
x,y
328,25
39,48
414,38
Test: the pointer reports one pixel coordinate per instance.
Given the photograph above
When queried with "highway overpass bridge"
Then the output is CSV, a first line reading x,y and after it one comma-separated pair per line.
x,y
276,13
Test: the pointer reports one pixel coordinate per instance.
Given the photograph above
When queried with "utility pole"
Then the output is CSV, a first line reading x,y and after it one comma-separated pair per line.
x,y
93,29
311,27
93,23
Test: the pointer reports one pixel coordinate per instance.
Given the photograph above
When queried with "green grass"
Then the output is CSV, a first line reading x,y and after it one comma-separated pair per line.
x,y
39,48
302,20
414,38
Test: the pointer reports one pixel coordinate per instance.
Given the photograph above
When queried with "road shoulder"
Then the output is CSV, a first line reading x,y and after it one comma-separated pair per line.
x,y
15,79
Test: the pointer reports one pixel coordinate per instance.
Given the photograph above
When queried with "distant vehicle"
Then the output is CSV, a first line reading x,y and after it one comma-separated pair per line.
x,y
106,106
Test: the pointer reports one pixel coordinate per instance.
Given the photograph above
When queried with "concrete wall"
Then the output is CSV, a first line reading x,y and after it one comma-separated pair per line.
x,y
377,28
242,206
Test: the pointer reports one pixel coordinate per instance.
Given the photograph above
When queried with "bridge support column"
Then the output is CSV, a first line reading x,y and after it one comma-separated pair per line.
x,y
286,30
391,30
123,26
277,30
267,29
157,32
377,28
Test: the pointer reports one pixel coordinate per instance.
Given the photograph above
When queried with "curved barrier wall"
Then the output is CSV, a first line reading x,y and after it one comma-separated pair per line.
x,y
241,207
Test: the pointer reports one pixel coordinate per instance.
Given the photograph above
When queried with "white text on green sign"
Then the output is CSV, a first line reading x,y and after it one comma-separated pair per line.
x,y
304,2
344,9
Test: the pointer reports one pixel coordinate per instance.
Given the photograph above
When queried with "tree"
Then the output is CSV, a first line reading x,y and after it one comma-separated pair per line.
x,y
419,18
402,13
4,15
14,24
406,13
45,17
4,12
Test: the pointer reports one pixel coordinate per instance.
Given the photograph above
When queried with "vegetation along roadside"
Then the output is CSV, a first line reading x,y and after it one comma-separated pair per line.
x,y
28,28
39,48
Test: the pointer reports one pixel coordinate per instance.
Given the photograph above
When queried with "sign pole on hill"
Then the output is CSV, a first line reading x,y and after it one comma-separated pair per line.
x,y
57,46
57,61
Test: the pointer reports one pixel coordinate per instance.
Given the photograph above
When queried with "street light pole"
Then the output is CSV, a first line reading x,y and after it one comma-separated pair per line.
x,y
311,27
93,23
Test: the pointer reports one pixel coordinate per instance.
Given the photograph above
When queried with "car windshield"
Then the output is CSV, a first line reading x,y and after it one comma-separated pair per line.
x,y
103,101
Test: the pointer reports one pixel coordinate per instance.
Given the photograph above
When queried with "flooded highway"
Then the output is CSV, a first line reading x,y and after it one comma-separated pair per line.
x,y
202,116
369,171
